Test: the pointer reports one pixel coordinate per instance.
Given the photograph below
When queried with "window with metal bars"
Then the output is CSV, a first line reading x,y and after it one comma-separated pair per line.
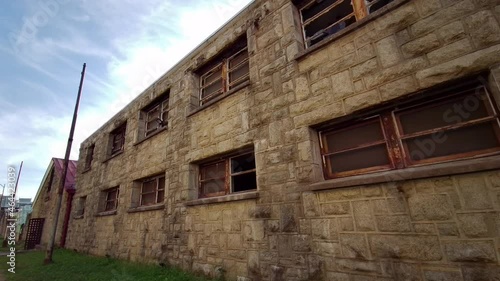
x,y
110,197
89,157
117,139
80,208
321,19
228,175
460,124
225,72
154,117
152,191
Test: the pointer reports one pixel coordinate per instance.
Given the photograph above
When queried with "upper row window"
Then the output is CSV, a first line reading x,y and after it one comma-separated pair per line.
x,y
458,125
224,72
117,139
154,117
321,19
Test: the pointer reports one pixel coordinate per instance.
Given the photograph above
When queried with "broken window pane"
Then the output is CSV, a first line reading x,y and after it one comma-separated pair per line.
x,y
244,182
354,136
242,163
359,159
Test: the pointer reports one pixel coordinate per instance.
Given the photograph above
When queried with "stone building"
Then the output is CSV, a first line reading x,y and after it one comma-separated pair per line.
x,y
45,204
311,140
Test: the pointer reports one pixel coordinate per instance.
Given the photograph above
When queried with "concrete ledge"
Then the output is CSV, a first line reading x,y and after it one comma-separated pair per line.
x,y
436,170
146,208
106,213
222,199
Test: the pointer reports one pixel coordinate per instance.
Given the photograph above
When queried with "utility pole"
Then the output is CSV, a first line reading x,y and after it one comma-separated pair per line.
x,y
60,192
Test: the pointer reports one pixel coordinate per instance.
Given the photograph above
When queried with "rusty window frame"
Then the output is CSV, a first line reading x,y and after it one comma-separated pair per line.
x,y
89,157
228,176
111,199
361,9
397,151
82,201
118,139
159,119
223,65
159,190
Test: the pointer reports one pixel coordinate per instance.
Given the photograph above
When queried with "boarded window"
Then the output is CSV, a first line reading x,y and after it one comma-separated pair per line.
x,y
456,125
224,72
152,191
321,19
229,175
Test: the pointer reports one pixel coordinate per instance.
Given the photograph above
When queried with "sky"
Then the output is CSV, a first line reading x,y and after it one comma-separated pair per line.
x,y
127,45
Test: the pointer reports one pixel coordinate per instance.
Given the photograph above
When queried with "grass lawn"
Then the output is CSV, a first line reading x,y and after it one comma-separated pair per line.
x,y
69,265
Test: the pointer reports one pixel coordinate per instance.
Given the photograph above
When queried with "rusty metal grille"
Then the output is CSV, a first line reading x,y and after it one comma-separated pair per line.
x,y
34,234
461,124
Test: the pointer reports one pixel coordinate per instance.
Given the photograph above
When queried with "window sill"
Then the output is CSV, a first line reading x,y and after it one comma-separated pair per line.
x,y
428,171
146,208
350,28
106,213
225,198
221,97
79,217
112,156
150,136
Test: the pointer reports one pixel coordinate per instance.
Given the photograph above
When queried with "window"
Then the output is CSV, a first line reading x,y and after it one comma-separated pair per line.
x,y
224,72
110,199
321,19
117,140
80,210
460,124
154,117
152,191
89,157
228,175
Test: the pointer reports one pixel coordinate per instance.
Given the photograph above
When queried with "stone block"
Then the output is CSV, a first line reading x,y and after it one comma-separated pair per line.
x,y
354,246
393,223
342,85
288,219
442,17
360,101
450,51
327,248
478,224
459,67
447,229
340,208
346,224
394,72
483,27
470,251
302,88
413,247
427,7
363,215
407,272
254,230
320,228
474,193
311,204
481,273
451,32
397,20
434,275
388,51
420,45
398,88
364,68
430,207
301,243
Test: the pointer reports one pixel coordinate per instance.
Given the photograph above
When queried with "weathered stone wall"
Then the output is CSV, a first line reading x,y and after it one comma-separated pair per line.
x,y
44,207
433,228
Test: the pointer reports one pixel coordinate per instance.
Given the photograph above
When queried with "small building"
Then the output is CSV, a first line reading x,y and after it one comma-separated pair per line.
x,y
41,220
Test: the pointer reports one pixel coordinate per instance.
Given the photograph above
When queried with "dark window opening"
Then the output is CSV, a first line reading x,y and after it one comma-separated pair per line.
x,y
117,139
224,72
111,202
457,125
155,115
230,175
89,156
320,19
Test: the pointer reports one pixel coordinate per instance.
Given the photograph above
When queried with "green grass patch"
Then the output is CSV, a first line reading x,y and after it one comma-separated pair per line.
x,y
69,265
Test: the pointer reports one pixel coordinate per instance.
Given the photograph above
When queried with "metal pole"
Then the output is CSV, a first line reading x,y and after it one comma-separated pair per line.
x,y
62,182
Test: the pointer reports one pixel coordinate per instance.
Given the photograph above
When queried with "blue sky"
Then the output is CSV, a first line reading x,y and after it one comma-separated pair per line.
x,y
127,45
